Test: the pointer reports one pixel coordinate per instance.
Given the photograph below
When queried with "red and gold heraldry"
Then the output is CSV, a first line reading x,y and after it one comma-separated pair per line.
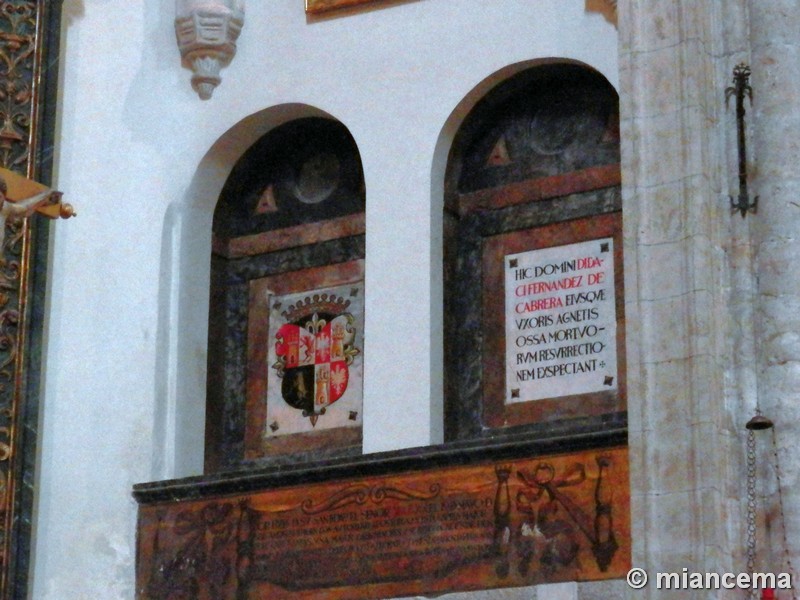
x,y
314,353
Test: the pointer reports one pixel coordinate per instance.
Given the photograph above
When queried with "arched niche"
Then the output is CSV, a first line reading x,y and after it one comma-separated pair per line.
x,y
189,426
285,329
532,176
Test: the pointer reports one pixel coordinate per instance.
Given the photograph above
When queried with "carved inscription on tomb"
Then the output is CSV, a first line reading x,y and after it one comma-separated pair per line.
x,y
560,321
504,524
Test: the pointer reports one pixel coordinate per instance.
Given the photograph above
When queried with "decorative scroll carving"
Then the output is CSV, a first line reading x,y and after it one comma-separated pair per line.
x,y
201,559
360,494
560,534
207,32
17,47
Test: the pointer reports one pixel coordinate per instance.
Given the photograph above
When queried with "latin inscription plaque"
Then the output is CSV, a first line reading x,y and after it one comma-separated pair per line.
x,y
553,324
560,321
505,523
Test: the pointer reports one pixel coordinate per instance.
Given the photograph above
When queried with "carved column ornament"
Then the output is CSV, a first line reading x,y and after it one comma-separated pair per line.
x,y
207,31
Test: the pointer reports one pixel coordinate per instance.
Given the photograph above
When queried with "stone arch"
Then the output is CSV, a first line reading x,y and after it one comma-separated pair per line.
x,y
186,274
551,132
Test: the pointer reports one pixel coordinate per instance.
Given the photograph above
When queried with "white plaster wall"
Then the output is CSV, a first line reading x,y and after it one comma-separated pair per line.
x,y
125,355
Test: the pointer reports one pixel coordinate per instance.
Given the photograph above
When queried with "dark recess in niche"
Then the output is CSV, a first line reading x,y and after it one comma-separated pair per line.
x,y
313,168
551,119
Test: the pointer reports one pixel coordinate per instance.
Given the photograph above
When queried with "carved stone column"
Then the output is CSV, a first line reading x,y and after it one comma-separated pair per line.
x,y
684,459
775,127
207,31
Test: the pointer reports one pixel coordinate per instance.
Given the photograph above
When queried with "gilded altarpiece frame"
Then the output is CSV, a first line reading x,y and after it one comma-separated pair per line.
x,y
29,39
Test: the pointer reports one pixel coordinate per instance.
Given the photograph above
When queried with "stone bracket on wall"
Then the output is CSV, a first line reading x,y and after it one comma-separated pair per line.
x,y
207,31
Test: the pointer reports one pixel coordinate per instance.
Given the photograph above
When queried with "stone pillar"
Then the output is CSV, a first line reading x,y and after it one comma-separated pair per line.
x,y
685,456
775,141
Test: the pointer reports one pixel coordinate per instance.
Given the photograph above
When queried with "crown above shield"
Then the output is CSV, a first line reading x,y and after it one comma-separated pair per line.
x,y
316,304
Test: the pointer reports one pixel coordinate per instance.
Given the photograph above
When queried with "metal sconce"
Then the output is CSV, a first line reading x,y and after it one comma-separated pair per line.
x,y
741,89
207,31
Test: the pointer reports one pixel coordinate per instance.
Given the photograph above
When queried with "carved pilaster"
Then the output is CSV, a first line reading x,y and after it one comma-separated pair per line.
x,y
207,31
683,403
774,126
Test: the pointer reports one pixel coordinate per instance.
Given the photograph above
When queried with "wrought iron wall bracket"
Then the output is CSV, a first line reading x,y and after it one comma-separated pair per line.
x,y
741,89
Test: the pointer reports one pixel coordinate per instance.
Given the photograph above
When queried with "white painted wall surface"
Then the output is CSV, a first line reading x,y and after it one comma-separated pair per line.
x,y
143,159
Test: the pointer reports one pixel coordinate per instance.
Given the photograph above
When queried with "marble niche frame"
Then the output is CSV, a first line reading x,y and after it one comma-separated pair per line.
x,y
309,282
510,209
285,252
565,409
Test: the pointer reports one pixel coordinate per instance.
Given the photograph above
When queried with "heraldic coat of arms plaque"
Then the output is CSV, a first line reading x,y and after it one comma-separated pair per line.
x,y
313,356
305,365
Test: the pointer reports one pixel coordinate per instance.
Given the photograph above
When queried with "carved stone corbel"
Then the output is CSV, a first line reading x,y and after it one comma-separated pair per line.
x,y
207,31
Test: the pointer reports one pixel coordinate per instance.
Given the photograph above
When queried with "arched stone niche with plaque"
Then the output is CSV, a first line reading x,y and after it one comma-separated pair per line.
x,y
287,300
534,326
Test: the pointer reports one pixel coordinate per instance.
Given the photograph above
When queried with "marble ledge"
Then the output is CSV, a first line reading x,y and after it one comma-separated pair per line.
x,y
497,448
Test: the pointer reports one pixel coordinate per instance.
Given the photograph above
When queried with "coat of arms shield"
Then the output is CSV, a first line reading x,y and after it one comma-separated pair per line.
x,y
313,354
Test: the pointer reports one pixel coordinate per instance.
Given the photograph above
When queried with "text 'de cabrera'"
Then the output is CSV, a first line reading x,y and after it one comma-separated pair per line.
x,y
560,321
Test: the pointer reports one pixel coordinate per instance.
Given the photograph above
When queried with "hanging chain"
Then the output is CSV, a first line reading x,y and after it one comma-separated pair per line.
x,y
786,553
751,506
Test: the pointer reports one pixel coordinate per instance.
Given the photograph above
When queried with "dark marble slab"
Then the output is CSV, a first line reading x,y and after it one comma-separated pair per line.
x,y
227,357
464,335
250,478
310,170
549,119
